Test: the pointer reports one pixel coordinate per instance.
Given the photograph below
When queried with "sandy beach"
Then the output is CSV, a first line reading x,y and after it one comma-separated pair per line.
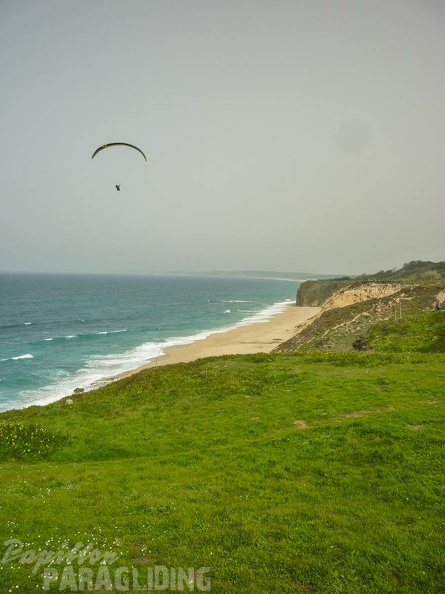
x,y
260,337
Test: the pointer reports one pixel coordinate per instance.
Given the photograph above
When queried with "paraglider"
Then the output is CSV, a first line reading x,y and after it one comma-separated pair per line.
x,y
104,146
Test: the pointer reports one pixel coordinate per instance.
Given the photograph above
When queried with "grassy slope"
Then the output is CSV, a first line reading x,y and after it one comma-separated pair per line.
x,y
424,333
338,328
293,472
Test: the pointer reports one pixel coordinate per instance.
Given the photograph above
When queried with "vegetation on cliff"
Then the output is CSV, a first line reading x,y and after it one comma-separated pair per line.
x,y
422,333
314,293
351,306
416,270
340,327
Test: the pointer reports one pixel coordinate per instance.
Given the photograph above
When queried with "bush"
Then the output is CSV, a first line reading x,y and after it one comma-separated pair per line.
x,y
20,441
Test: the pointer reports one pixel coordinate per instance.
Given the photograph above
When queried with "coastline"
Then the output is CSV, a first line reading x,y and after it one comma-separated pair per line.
x,y
257,337
98,354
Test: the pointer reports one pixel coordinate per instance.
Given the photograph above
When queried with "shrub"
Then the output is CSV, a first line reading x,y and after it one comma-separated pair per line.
x,y
21,441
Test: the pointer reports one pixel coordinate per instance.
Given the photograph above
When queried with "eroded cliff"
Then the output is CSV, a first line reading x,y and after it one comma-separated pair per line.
x,y
349,311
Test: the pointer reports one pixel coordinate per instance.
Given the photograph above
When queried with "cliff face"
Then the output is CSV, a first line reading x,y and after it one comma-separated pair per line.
x,y
315,293
347,313
356,294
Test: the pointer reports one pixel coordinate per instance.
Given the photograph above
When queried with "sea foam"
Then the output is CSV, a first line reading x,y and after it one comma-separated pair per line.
x,y
26,356
101,370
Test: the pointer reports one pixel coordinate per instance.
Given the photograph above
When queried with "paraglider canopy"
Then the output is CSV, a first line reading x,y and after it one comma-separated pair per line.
x,y
104,146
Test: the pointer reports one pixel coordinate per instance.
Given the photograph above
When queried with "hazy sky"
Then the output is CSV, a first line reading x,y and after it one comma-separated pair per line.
x,y
297,135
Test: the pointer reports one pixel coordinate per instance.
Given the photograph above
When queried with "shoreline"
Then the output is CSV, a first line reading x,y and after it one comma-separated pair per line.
x,y
259,333
257,337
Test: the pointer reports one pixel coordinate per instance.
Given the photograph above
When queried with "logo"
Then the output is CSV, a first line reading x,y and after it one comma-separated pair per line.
x,y
84,567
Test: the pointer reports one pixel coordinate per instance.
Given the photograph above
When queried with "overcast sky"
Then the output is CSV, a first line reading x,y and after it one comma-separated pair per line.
x,y
286,135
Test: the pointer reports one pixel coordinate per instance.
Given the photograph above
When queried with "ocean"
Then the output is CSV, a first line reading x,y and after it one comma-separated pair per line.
x,y
59,332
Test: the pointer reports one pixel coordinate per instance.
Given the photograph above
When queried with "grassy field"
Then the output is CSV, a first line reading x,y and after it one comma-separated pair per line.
x,y
292,472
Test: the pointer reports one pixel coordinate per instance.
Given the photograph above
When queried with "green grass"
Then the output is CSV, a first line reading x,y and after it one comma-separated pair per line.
x,y
423,333
309,472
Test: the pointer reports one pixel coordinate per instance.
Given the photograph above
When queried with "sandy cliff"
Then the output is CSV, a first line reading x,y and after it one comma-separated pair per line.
x,y
349,311
356,294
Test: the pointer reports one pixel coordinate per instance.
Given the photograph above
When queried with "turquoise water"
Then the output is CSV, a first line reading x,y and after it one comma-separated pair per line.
x,y
61,332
